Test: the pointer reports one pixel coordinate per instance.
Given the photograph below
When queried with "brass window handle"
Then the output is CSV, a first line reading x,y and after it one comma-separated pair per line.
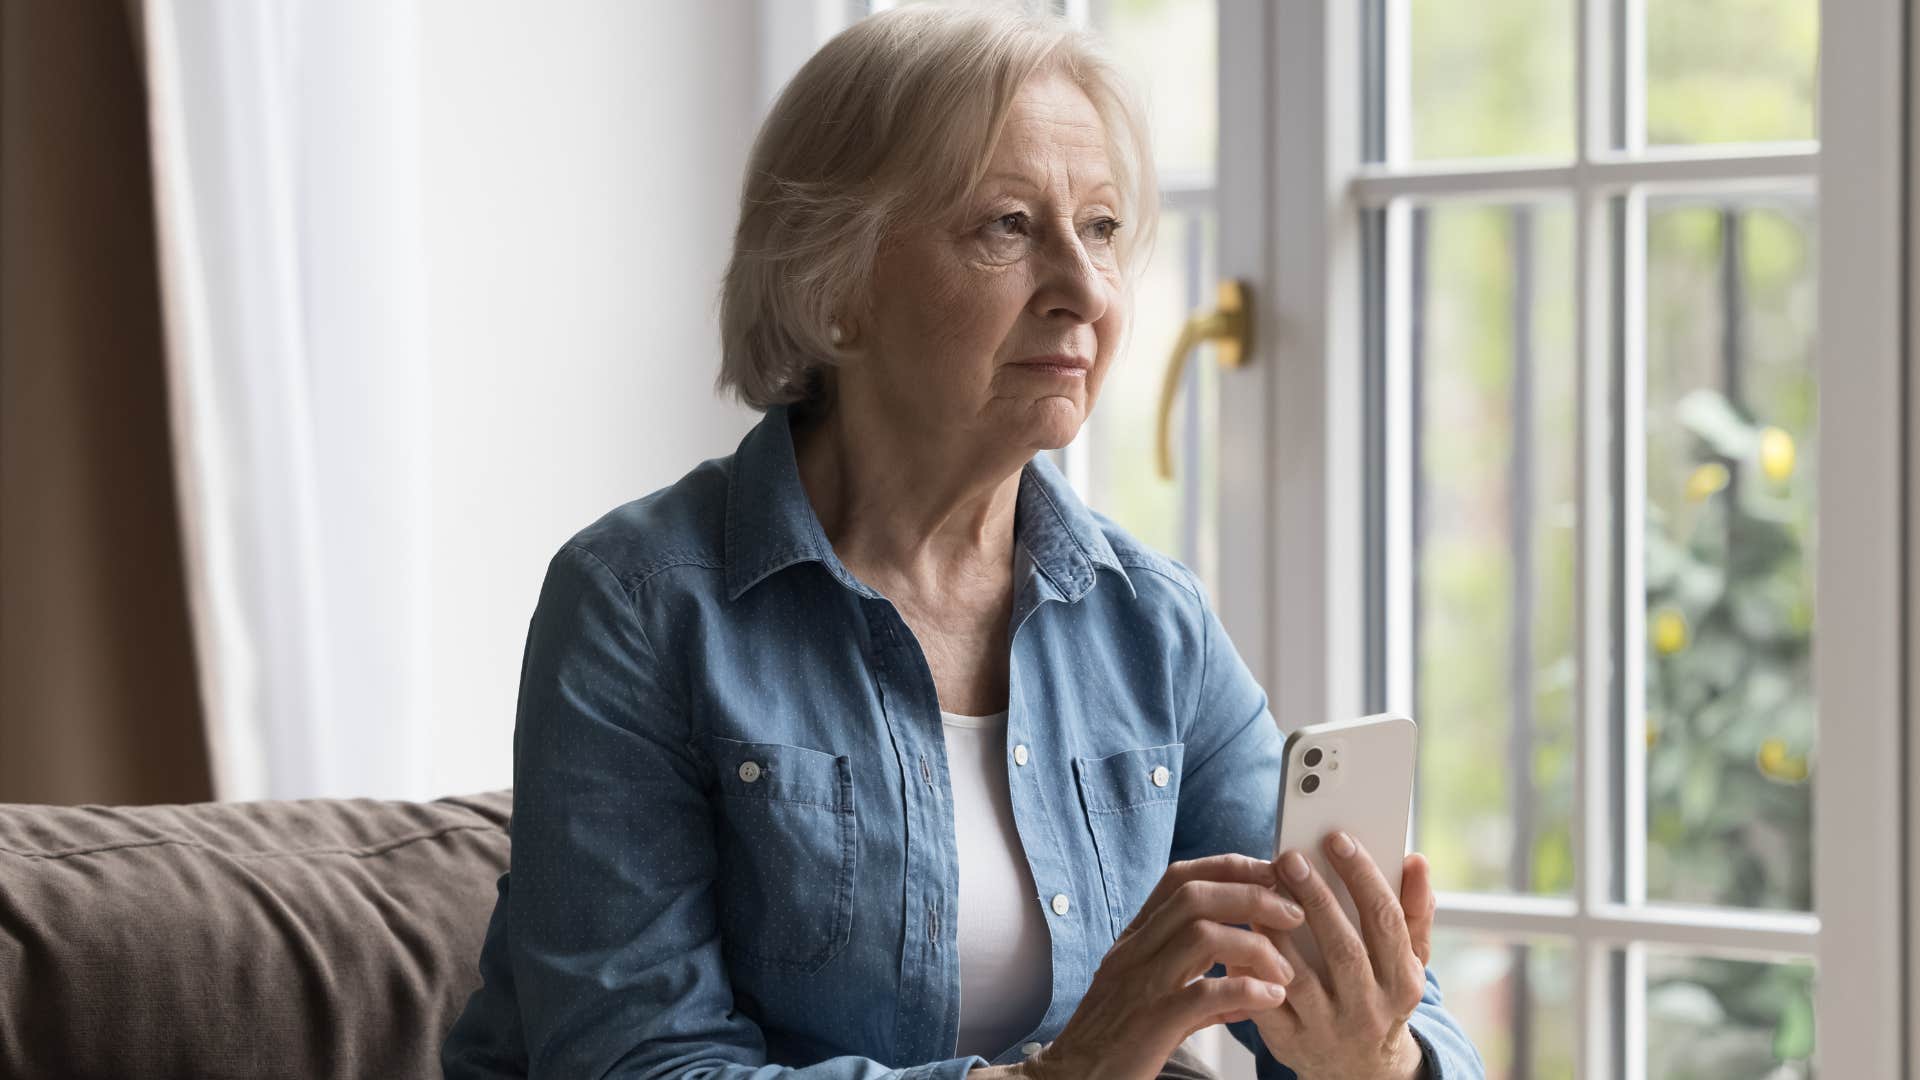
x,y
1230,327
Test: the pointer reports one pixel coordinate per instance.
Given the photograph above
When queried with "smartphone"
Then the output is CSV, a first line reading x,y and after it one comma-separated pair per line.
x,y
1355,775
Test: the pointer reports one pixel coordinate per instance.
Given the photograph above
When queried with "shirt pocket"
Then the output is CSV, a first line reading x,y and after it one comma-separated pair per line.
x,y
1131,799
788,838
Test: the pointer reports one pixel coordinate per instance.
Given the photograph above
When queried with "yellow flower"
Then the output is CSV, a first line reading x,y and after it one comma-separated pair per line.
x,y
1776,454
1706,480
1777,764
1669,631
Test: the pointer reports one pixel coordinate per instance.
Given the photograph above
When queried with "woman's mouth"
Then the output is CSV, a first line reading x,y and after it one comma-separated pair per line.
x,y
1062,365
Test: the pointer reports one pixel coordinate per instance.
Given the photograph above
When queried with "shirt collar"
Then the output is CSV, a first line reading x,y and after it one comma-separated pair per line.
x,y
771,525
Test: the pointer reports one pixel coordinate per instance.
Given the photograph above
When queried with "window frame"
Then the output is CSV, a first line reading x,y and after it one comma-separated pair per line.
x,y
1862,852
1858,836
1909,758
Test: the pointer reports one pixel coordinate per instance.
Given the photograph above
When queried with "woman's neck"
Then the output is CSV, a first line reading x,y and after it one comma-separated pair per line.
x,y
907,509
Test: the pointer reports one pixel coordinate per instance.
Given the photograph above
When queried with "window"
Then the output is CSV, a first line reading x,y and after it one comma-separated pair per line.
x,y
1589,235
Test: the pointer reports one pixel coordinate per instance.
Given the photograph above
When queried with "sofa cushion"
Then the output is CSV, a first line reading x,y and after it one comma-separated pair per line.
x,y
309,938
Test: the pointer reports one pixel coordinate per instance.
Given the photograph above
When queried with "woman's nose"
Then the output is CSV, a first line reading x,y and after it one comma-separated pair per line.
x,y
1070,284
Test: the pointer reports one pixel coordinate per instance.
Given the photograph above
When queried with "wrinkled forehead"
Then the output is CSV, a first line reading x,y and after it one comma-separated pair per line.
x,y
1054,137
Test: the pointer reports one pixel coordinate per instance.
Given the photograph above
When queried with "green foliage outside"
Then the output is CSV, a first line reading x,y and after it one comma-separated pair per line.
x,y
1730,718
1728,562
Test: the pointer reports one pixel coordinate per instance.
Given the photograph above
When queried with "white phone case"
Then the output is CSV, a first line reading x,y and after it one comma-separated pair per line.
x,y
1363,784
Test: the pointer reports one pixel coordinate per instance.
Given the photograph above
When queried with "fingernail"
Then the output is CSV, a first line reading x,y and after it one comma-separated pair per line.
x,y
1286,969
1275,991
1292,908
1294,865
1342,844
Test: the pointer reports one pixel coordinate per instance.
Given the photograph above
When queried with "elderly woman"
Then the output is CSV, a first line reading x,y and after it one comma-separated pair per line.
x,y
869,751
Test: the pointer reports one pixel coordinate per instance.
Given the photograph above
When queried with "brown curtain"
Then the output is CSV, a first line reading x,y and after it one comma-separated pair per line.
x,y
98,700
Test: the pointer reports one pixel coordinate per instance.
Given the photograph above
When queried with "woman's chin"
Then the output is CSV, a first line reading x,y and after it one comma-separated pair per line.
x,y
1052,422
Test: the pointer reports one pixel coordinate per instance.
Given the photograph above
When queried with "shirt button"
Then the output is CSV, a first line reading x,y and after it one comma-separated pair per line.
x,y
749,771
1020,754
1060,903
1030,1049
1159,776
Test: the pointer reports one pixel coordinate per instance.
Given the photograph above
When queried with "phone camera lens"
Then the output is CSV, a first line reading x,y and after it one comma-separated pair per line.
x,y
1311,757
1310,783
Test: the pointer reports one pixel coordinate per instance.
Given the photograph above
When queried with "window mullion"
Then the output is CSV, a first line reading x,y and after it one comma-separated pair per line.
x,y
1631,713
1405,243
1396,75
1593,997
1520,519
1630,1001
1758,170
1592,840
1592,845
1629,62
1631,536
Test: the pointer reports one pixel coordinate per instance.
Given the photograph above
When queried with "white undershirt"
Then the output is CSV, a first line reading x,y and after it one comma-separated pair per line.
x,y
1006,957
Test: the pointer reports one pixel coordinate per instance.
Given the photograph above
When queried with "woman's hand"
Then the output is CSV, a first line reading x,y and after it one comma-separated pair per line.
x,y
1353,1022
1149,992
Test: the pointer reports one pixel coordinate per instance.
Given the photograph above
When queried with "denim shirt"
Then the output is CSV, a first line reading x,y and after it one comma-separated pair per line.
x,y
733,846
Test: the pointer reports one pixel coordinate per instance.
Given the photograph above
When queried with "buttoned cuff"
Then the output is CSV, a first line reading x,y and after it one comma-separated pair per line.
x,y
950,1069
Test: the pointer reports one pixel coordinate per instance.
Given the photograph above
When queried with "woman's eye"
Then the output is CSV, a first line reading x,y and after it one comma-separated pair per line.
x,y
1016,222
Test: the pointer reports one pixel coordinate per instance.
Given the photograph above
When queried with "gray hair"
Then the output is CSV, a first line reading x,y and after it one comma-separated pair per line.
x,y
890,125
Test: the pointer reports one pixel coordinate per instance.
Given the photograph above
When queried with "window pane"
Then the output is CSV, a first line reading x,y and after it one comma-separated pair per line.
x,y
1492,376
1171,47
1514,999
1490,78
1731,70
1711,1019
1730,450
1174,516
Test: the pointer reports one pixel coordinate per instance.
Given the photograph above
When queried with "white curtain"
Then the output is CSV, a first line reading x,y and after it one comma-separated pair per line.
x,y
287,185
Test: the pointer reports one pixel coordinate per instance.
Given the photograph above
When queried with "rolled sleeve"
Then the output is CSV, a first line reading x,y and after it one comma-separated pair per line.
x,y
610,936
1448,1052
1229,801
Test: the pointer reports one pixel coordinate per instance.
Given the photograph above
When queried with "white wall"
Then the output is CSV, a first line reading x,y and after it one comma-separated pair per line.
x,y
582,162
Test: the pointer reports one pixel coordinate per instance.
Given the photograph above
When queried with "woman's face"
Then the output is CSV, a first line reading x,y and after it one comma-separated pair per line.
x,y
1001,328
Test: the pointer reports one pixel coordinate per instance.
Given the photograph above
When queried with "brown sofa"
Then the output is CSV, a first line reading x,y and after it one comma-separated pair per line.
x,y
301,938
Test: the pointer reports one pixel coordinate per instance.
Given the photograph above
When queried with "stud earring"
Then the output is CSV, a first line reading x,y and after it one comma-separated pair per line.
x,y
834,333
